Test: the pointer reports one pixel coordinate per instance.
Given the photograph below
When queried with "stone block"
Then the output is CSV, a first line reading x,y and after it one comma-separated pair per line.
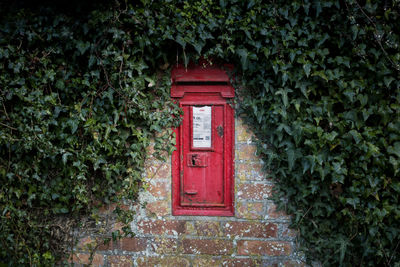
x,y
204,228
274,214
132,244
161,227
158,208
243,132
294,264
119,261
250,229
207,246
246,152
263,248
106,246
254,191
206,261
250,171
287,232
86,243
159,189
162,245
163,262
157,170
81,258
233,262
250,210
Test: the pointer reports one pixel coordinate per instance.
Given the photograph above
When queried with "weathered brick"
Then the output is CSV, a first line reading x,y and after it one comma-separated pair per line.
x,y
150,149
210,247
133,244
159,227
117,226
156,170
150,152
163,262
159,208
287,232
251,229
98,260
105,246
120,261
294,264
271,263
246,152
80,258
243,133
107,209
206,261
274,214
283,263
204,228
252,210
254,191
86,243
190,229
247,171
263,248
232,262
163,245
158,189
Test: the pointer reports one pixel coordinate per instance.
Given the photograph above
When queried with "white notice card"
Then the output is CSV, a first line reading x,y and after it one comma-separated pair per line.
x,y
202,126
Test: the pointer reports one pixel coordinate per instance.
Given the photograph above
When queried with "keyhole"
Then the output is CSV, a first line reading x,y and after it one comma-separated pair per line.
x,y
220,131
194,160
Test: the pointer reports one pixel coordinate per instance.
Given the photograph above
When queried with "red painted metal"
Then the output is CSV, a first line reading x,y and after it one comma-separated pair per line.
x,y
203,174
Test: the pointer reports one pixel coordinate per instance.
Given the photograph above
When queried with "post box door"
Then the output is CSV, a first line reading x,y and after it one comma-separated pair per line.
x,y
203,163
202,160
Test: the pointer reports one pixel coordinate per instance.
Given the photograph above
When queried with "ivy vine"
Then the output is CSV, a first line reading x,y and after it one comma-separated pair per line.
x,y
84,91
80,105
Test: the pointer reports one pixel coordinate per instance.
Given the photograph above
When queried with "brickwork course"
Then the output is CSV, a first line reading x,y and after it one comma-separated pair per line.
x,y
256,235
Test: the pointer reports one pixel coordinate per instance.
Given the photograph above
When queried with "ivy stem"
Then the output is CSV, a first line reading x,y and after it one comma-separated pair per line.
x,y
305,214
5,111
397,67
384,253
394,251
12,128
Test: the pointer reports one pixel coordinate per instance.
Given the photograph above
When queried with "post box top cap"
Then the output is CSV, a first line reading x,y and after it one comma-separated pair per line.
x,y
202,79
201,73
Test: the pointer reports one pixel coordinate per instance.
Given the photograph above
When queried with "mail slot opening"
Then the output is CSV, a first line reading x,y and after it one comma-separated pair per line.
x,y
202,83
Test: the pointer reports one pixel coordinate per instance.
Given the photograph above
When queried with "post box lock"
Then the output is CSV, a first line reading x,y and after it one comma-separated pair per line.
x,y
220,130
202,164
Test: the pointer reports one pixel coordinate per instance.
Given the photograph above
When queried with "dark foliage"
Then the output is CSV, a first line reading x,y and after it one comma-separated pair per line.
x,y
322,94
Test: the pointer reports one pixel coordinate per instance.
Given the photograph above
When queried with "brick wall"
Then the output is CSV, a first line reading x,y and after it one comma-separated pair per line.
x,y
256,236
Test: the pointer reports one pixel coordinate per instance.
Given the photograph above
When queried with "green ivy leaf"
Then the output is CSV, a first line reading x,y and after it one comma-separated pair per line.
x,y
243,54
307,69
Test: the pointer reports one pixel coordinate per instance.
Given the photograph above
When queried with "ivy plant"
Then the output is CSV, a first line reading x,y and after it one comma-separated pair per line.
x,y
80,105
84,90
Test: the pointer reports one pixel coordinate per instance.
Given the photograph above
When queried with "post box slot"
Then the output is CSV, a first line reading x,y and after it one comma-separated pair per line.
x,y
191,192
201,83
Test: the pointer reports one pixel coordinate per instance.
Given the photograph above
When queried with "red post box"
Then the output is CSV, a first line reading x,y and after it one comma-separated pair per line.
x,y
202,165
